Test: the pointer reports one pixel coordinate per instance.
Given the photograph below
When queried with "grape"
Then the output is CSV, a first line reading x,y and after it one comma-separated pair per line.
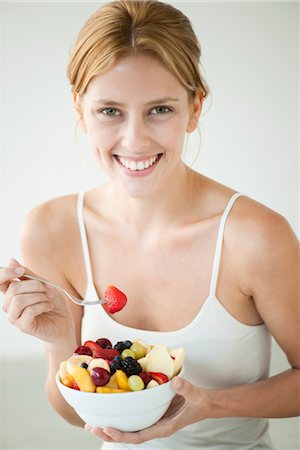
x,y
127,352
138,350
136,383
100,376
104,343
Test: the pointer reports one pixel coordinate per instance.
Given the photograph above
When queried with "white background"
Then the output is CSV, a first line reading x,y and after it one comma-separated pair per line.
x,y
249,126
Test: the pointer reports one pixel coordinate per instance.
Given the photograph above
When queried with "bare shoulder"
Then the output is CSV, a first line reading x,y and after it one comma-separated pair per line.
x,y
49,220
261,241
48,231
258,227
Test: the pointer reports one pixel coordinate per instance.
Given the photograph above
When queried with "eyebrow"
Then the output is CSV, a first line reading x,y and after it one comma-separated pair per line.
x,y
152,102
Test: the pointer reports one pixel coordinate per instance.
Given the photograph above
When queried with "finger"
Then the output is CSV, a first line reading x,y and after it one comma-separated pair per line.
x,y
160,430
25,287
98,432
13,263
7,274
17,288
27,321
20,302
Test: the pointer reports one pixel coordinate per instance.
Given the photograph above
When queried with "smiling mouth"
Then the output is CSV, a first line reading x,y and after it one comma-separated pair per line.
x,y
140,165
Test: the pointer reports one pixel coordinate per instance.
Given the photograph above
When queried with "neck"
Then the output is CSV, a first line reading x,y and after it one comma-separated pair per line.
x,y
160,210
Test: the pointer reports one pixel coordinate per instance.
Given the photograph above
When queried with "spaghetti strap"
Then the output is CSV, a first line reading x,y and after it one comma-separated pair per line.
x,y
218,251
84,242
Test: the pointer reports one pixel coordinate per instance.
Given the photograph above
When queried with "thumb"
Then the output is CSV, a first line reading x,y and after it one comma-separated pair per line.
x,y
184,388
13,263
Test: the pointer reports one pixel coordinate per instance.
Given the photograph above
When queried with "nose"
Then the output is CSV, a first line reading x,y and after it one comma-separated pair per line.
x,y
135,136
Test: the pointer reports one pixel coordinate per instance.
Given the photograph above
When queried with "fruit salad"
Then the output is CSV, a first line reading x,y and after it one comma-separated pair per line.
x,y
97,366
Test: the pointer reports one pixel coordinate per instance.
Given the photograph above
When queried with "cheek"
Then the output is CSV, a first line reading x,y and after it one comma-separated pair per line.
x,y
101,140
172,137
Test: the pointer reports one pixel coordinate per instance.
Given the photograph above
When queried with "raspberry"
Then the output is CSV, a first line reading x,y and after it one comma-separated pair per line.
x,y
122,345
131,366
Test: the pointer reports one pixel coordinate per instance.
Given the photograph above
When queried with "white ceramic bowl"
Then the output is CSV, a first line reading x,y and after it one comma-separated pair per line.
x,y
129,411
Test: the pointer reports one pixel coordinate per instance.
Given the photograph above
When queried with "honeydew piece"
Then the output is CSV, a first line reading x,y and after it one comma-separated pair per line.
x,y
160,360
178,361
98,362
76,361
143,362
152,384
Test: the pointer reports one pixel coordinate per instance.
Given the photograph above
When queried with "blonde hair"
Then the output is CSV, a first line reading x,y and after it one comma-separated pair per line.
x,y
128,27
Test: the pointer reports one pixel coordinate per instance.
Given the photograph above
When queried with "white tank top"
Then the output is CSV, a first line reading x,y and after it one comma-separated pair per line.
x,y
220,352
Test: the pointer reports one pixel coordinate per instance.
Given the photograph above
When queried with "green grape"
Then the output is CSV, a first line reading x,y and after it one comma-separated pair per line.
x,y
138,350
127,352
135,383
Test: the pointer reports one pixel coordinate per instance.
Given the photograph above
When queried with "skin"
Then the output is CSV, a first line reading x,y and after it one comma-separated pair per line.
x,y
126,219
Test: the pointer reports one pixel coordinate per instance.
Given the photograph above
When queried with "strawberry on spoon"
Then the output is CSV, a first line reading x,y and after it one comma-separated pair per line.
x,y
114,300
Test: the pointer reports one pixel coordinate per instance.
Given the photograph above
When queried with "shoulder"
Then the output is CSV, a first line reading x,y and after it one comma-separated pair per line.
x,y
255,224
261,240
50,219
49,230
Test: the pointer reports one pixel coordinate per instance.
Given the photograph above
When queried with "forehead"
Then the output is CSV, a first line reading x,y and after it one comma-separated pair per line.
x,y
141,77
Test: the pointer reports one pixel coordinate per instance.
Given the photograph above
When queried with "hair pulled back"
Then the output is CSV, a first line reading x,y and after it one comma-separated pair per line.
x,y
128,27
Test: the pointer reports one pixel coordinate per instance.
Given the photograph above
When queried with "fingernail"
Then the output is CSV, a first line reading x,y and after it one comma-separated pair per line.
x,y
19,270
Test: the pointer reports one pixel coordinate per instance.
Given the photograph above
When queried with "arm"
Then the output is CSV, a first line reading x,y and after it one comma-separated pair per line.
x,y
273,273
270,264
44,249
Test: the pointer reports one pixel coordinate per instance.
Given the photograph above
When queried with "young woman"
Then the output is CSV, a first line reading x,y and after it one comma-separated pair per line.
x,y
203,266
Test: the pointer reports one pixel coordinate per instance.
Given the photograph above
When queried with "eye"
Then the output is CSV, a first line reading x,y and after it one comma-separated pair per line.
x,y
160,110
110,112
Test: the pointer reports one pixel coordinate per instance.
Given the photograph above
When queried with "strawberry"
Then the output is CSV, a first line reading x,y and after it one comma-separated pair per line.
x,y
99,352
114,300
161,378
96,349
108,353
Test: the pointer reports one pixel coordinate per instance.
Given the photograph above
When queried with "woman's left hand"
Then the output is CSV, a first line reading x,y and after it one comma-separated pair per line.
x,y
191,405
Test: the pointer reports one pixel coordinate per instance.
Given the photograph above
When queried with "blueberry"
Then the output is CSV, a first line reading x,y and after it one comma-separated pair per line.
x,y
116,364
122,345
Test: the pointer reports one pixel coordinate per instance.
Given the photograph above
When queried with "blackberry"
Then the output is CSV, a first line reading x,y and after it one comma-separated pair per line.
x,y
84,365
131,366
116,364
122,345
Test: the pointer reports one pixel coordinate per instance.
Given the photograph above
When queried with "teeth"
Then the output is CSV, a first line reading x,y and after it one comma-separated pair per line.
x,y
139,165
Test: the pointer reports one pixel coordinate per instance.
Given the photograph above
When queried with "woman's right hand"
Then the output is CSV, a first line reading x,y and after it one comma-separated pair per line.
x,y
33,307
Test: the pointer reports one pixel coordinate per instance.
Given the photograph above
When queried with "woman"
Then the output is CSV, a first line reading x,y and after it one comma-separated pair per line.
x,y
203,266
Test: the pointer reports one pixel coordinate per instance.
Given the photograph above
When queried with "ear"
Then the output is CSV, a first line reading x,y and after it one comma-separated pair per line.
x,y
79,112
195,111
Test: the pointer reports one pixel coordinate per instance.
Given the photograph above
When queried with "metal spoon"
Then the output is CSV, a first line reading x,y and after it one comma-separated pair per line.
x,y
71,297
